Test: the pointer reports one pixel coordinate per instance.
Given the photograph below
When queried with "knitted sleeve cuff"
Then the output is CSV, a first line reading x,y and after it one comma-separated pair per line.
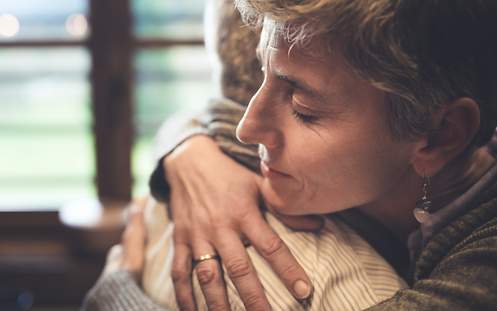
x,y
118,291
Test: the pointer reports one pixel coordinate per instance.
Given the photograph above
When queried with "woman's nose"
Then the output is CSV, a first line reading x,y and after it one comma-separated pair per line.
x,y
258,125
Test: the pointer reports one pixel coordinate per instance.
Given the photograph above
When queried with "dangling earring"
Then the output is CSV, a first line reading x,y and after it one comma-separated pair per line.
x,y
422,212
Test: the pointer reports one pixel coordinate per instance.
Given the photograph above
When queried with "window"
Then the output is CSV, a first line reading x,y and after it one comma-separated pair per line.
x,y
84,86
45,106
82,98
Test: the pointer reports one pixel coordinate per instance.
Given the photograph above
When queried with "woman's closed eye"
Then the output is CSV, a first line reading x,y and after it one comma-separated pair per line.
x,y
300,111
303,116
307,119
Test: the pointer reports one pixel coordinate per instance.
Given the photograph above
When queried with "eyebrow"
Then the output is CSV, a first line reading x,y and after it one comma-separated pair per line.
x,y
301,85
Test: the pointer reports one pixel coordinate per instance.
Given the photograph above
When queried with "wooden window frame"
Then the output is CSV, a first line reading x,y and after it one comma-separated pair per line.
x,y
34,234
112,47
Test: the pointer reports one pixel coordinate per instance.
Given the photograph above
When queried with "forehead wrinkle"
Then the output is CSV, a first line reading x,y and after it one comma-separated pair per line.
x,y
315,51
290,74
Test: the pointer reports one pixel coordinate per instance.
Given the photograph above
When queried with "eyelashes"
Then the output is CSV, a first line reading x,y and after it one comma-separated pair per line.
x,y
299,116
306,119
290,93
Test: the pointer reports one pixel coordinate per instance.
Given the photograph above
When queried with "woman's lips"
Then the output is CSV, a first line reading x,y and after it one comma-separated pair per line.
x,y
270,172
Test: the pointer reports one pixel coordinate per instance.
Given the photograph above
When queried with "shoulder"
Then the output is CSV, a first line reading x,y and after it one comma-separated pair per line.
x,y
473,230
463,255
347,272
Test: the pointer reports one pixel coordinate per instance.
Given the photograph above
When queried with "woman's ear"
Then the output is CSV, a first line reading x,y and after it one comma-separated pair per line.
x,y
453,128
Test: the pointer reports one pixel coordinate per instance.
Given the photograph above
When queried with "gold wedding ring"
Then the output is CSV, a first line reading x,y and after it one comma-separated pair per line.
x,y
204,258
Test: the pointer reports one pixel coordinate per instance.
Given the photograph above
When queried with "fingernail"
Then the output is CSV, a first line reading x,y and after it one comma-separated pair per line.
x,y
302,289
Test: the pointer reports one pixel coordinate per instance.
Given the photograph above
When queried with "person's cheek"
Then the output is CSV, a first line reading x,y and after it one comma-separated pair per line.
x,y
309,189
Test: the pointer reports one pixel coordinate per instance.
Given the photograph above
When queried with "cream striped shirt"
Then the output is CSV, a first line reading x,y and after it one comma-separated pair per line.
x,y
346,272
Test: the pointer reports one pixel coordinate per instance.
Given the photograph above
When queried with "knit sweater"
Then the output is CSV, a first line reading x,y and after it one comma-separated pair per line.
x,y
455,269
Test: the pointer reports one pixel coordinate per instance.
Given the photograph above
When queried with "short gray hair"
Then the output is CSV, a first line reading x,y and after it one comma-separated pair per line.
x,y
419,52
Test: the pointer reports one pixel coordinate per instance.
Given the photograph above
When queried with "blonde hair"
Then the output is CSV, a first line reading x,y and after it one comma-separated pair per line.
x,y
419,52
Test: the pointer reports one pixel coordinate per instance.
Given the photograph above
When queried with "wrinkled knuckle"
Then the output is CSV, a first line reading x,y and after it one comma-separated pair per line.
x,y
206,273
272,246
217,306
179,274
238,268
180,234
184,302
254,302
243,213
290,272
